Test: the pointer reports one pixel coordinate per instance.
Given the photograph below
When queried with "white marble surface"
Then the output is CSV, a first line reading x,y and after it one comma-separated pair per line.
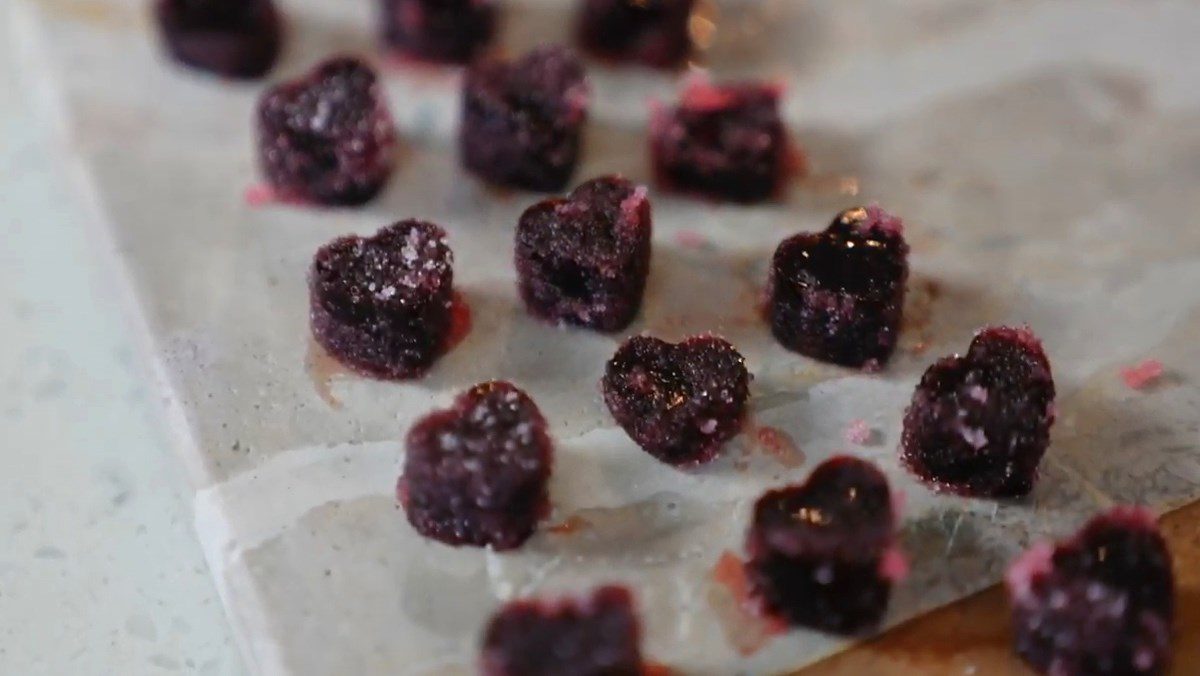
x,y
99,568
1042,184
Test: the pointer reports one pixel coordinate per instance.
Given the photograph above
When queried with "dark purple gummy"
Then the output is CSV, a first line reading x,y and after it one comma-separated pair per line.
x,y
1101,603
838,295
477,473
234,38
449,31
382,305
680,402
327,137
594,636
822,554
651,32
979,424
583,260
722,141
523,120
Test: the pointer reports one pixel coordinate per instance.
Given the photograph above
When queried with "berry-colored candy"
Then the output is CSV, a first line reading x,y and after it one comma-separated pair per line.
x,y
523,120
451,31
583,260
979,424
327,137
650,32
477,473
594,636
1101,603
234,38
838,295
382,305
680,402
822,554
722,141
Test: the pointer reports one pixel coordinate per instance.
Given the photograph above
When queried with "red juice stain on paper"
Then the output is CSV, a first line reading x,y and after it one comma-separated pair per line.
x,y
573,524
777,444
460,322
402,492
915,326
1143,374
751,302
261,195
322,369
420,73
795,162
745,627
690,239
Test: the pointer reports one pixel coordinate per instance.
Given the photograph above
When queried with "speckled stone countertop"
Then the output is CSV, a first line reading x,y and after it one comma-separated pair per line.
x,y
99,568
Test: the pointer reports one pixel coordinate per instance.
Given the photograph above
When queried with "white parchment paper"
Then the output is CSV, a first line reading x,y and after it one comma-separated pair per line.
x,y
1045,155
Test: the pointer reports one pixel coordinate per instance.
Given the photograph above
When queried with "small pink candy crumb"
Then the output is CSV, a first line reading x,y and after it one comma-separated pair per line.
x,y
857,433
894,565
691,239
1143,374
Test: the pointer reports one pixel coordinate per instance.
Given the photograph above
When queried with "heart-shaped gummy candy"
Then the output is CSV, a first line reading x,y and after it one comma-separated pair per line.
x,y
979,424
327,137
838,295
822,554
440,31
595,635
233,38
382,305
477,472
523,120
655,33
723,141
680,402
583,260
1101,603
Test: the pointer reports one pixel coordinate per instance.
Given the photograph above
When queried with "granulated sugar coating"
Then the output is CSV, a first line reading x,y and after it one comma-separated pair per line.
x,y
476,473
822,554
598,635
522,120
1098,604
650,32
583,260
452,31
838,295
382,305
722,141
232,38
327,137
680,402
979,424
